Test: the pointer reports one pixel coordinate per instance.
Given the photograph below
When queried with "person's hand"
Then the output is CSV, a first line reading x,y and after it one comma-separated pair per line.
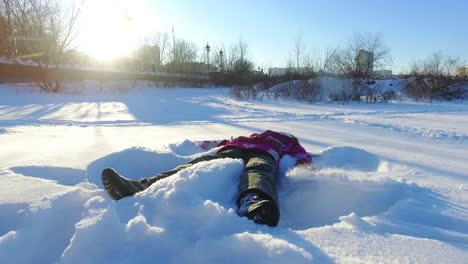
x,y
306,166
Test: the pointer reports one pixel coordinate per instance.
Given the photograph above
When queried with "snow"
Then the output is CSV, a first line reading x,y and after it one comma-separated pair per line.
x,y
328,87
390,184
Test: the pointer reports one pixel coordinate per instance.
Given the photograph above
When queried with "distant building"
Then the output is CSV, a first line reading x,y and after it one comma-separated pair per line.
x,y
365,62
149,58
277,71
462,71
382,73
284,71
189,67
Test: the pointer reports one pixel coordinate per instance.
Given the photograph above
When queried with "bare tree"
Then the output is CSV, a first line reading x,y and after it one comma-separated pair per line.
x,y
299,49
437,64
147,55
363,53
201,53
64,30
434,78
242,64
6,29
232,55
163,42
242,48
236,54
326,62
185,51
43,29
309,62
4,37
219,54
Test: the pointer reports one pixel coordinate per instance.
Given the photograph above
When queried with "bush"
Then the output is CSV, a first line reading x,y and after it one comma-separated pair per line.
x,y
243,66
360,90
421,87
319,89
341,94
298,90
432,79
244,92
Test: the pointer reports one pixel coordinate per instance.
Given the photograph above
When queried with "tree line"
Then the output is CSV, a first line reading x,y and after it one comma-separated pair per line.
x,y
44,30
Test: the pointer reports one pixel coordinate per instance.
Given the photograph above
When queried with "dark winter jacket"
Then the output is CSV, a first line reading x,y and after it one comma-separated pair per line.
x,y
277,144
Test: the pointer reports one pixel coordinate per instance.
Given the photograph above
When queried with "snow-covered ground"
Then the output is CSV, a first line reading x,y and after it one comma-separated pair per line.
x,y
390,185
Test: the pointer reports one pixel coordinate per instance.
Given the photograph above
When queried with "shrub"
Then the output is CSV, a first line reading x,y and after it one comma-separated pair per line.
x,y
319,89
432,79
244,92
298,90
430,88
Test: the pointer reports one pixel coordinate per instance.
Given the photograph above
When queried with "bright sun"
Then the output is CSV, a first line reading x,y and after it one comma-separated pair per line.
x,y
107,30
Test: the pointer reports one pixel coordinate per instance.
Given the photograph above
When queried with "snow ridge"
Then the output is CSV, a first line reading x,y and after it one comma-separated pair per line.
x,y
390,184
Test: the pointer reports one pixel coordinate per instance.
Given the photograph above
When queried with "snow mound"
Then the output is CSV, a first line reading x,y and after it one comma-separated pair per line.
x,y
328,87
191,216
46,227
185,148
327,194
354,221
193,212
64,176
348,158
134,163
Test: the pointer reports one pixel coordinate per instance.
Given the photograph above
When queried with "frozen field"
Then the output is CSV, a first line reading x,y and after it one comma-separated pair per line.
x,y
390,185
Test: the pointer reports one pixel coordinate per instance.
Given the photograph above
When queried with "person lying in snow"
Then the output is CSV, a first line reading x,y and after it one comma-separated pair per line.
x,y
257,196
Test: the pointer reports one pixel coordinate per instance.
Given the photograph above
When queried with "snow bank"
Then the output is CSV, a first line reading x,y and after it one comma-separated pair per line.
x,y
191,216
185,148
347,158
396,196
134,163
327,87
64,176
45,228
346,180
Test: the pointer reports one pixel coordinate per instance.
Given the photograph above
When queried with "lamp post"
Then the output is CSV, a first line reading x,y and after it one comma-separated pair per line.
x,y
208,55
221,53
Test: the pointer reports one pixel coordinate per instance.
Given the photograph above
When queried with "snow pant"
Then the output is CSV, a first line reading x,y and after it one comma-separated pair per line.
x,y
260,172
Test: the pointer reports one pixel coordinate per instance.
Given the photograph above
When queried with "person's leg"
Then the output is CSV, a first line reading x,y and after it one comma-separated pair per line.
x,y
166,174
234,153
258,196
118,186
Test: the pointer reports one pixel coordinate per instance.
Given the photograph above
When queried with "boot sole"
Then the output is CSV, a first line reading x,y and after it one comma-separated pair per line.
x,y
114,184
265,213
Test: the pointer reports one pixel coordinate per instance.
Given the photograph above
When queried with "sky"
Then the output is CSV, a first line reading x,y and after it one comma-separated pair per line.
x,y
412,30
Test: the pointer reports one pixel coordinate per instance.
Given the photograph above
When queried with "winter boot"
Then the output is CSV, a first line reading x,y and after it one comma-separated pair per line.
x,y
119,187
260,208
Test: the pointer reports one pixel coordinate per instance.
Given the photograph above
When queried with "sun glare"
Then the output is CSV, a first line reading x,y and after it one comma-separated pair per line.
x,y
108,30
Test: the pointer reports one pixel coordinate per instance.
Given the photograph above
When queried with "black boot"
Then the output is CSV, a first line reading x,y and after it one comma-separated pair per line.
x,y
119,187
260,208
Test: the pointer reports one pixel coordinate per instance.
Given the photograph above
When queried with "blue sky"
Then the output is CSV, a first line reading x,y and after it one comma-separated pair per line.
x,y
411,29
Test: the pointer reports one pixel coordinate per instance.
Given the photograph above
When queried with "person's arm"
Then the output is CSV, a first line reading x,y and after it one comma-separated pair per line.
x,y
222,142
301,155
208,144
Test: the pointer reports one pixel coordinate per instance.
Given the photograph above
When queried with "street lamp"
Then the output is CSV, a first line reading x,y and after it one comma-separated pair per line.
x,y
208,55
221,53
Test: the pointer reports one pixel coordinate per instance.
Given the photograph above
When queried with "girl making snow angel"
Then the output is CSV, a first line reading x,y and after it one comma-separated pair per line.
x,y
257,194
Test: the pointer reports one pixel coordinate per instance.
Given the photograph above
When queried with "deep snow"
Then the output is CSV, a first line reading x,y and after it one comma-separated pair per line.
x,y
390,185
